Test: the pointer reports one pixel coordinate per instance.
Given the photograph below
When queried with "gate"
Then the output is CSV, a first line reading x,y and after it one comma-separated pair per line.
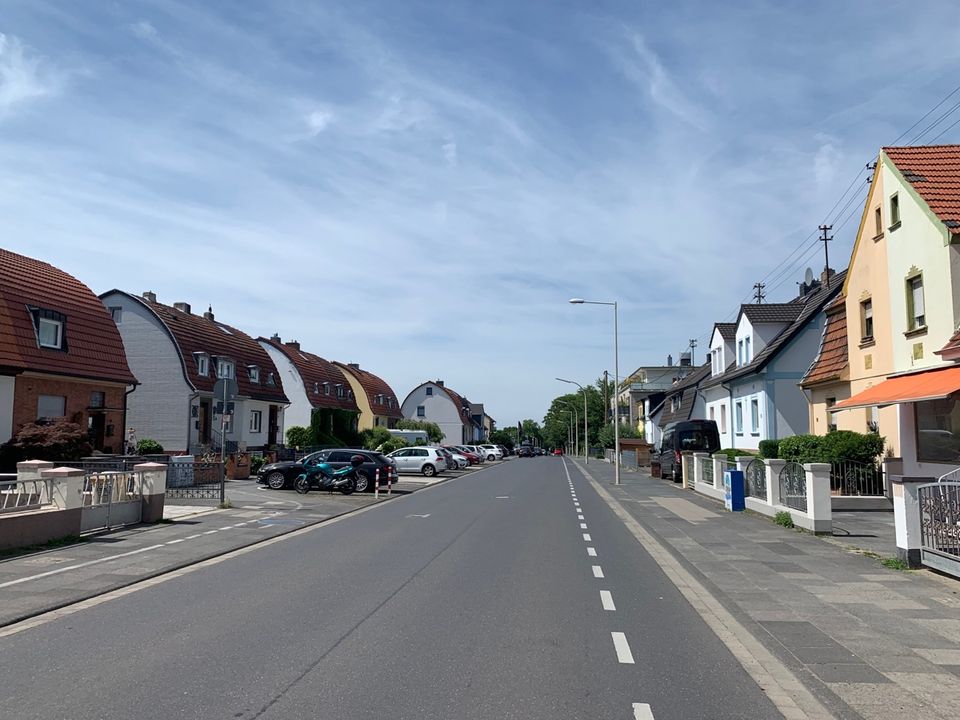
x,y
853,478
939,528
110,499
755,479
195,481
793,486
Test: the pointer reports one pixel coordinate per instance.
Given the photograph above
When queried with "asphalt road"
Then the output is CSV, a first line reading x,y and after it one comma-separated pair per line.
x,y
478,598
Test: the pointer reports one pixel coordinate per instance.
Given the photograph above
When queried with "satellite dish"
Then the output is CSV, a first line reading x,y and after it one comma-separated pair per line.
x,y
808,277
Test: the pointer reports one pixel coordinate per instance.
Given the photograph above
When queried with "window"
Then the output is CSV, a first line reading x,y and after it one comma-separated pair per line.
x,y
316,388
916,317
97,399
224,369
50,333
421,412
203,364
894,211
755,416
429,390
746,350
116,314
254,372
256,417
339,390
350,394
938,431
713,413
51,406
271,380
739,352
326,388
831,417
738,418
877,222
723,418
866,320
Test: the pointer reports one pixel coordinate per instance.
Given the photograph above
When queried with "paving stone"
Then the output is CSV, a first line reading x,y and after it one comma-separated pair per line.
x,y
939,656
847,673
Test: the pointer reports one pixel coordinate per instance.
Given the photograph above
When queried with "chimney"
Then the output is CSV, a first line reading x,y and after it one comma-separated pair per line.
x,y
208,315
355,366
275,337
685,359
440,383
182,307
826,275
295,344
150,296
669,360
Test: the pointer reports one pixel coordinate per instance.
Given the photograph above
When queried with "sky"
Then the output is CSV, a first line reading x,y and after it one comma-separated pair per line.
x,y
420,187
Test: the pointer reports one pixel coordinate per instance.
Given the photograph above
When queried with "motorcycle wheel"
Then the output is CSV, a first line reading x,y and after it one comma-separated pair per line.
x,y
302,485
348,488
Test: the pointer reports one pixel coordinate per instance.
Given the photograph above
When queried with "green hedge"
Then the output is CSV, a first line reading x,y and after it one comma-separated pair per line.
x,y
769,449
146,446
832,447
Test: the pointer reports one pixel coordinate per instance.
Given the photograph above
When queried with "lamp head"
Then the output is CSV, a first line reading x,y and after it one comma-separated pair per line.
x,y
576,301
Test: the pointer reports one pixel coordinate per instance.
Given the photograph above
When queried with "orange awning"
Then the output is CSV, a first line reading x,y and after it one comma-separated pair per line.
x,y
930,385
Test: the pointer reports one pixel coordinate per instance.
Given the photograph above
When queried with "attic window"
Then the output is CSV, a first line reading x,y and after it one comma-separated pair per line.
x,y
894,211
254,373
326,388
225,368
429,390
203,363
49,326
339,390
271,380
350,394
316,388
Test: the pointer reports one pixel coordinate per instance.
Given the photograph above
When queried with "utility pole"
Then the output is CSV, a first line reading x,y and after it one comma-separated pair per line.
x,y
606,396
759,295
693,346
826,252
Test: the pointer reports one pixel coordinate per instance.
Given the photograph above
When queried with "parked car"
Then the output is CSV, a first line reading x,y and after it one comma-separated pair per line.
x,y
455,461
689,435
525,451
493,452
472,458
558,451
506,452
428,461
280,475
476,450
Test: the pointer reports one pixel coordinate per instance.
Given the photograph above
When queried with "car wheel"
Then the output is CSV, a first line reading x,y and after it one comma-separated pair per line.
x,y
276,480
491,457
363,483
429,470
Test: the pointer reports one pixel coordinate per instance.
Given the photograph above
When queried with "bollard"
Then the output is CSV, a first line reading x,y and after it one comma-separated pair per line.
x,y
389,482
376,487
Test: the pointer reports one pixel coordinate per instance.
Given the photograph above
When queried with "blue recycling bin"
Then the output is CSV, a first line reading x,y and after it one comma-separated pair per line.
x,y
733,489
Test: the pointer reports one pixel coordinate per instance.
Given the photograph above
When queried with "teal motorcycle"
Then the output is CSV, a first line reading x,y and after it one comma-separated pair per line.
x,y
323,476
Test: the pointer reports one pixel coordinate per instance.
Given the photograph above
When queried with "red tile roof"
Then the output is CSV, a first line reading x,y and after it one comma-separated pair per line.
x,y
199,334
94,348
462,403
934,172
374,387
950,351
315,371
831,362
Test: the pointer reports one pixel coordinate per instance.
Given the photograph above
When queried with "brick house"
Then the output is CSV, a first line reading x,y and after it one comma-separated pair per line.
x,y
60,354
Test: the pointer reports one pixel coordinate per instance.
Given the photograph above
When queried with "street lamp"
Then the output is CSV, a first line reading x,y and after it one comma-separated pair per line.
x,y
586,441
576,426
616,382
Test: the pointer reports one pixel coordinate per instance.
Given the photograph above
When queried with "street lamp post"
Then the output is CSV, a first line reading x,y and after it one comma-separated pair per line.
x,y
576,428
616,382
586,437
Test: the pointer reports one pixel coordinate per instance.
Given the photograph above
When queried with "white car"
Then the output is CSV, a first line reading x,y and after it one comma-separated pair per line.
x,y
478,451
459,459
427,461
492,452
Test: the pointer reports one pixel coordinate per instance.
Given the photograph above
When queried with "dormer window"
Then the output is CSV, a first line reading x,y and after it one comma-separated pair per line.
x,y
350,394
49,326
326,388
225,368
339,390
316,388
254,373
271,380
203,363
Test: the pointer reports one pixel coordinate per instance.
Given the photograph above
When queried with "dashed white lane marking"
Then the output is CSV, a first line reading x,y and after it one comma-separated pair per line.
x,y
502,497
586,537
592,552
174,542
607,600
583,526
622,647
597,571
579,517
642,711
228,527
208,532
577,505
78,565
192,537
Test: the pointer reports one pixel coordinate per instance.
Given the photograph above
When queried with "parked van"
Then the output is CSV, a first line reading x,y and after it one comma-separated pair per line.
x,y
689,435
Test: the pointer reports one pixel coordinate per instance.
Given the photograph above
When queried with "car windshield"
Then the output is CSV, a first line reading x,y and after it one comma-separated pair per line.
x,y
694,440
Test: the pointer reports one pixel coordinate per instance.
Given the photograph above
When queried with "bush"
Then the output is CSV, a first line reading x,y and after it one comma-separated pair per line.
x,y
832,447
769,449
149,447
783,519
56,440
257,462
434,433
801,448
299,436
733,453
375,437
394,443
606,434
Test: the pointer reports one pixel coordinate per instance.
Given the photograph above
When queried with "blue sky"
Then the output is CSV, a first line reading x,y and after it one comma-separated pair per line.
x,y
421,186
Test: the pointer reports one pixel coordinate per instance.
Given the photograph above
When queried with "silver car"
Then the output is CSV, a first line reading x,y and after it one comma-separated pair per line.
x,y
427,461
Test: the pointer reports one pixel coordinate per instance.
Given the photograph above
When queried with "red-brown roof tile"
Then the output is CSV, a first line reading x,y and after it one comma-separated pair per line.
x,y
934,172
832,360
375,387
952,348
94,348
315,371
462,403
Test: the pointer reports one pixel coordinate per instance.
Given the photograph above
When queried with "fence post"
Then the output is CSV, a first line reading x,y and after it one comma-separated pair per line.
x,y
773,480
153,488
819,504
31,470
892,467
906,517
719,465
743,461
699,458
223,486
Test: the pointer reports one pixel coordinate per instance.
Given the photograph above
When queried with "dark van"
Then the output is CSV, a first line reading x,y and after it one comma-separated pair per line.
x,y
689,435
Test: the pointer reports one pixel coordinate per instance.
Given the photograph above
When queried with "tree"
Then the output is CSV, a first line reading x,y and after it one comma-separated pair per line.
x,y
375,437
626,431
434,433
504,437
299,436
56,440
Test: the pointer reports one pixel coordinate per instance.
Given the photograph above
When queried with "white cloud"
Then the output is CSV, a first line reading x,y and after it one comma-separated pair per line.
x,y
22,77
827,161
318,121
450,153
144,30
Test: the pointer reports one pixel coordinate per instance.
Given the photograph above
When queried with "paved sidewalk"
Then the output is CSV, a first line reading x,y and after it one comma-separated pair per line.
x,y
873,642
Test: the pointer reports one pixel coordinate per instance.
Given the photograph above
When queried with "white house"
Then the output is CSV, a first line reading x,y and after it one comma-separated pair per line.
x,y
433,402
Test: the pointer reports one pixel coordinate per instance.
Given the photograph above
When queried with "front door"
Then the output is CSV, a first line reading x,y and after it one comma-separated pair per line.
x,y
272,425
96,425
203,422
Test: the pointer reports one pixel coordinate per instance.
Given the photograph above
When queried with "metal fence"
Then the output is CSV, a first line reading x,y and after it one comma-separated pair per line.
x,y
755,479
850,477
706,470
17,495
940,526
793,486
196,481
110,499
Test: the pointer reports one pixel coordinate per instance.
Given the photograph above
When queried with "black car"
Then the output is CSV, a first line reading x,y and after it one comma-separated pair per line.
x,y
689,435
280,475
525,451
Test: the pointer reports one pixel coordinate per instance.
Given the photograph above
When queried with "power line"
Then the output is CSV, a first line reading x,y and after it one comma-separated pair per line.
x,y
950,127
934,124
926,115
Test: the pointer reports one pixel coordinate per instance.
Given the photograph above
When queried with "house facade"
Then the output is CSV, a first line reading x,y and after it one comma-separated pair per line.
x,y
684,401
643,384
316,388
60,354
378,403
716,397
178,357
828,378
433,402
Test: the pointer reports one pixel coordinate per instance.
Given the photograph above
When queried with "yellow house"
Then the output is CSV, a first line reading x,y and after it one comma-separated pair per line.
x,y
378,403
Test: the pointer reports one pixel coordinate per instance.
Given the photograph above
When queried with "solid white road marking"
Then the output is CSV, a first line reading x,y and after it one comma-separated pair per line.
x,y
592,552
607,600
622,647
586,536
583,526
9,583
597,571
641,711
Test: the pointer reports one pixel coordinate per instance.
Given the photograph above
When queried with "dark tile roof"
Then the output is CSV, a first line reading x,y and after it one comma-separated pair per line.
x,y
461,402
94,348
831,362
728,331
374,387
314,372
687,390
771,312
807,306
952,347
194,333
934,172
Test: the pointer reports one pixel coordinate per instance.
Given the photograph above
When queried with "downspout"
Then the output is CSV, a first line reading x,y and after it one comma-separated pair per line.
x,y
123,423
730,415
193,396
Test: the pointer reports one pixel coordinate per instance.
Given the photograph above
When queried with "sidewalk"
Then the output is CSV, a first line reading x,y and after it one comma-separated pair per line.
x,y
865,638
